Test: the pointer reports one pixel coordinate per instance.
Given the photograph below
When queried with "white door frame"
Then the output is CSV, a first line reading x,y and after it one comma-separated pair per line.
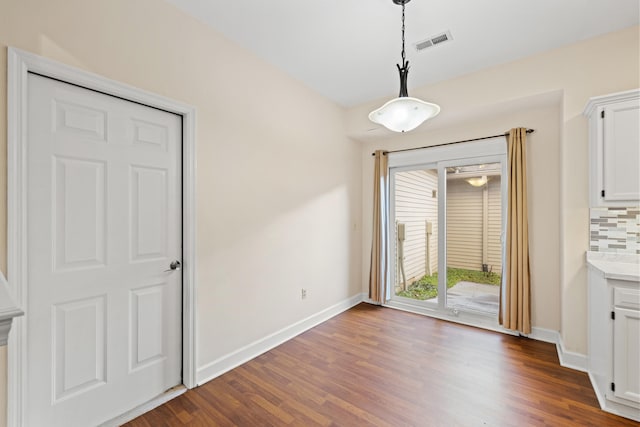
x,y
20,63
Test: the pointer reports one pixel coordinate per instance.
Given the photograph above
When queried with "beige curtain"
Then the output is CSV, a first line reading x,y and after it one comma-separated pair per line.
x,y
379,272
515,296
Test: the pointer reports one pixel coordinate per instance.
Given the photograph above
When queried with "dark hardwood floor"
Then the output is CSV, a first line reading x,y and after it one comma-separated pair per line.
x,y
373,366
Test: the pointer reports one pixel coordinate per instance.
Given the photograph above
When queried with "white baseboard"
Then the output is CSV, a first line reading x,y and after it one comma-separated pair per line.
x,y
544,335
598,391
569,359
232,360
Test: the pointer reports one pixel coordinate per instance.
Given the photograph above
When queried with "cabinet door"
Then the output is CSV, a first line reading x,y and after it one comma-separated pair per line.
x,y
622,151
626,354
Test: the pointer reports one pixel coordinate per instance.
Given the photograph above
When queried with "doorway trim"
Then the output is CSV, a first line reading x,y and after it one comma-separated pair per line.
x,y
19,64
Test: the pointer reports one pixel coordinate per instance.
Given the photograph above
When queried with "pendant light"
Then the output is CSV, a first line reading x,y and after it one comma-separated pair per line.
x,y
403,113
478,181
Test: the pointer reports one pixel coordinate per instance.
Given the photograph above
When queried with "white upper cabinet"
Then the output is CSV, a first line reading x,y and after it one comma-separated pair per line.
x,y
614,148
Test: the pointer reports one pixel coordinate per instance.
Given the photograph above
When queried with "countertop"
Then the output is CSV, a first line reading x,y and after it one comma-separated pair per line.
x,y
616,266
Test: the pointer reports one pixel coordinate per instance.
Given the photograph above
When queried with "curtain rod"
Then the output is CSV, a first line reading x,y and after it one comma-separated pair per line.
x,y
450,143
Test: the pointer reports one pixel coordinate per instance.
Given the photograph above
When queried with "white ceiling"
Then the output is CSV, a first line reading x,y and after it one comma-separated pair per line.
x,y
347,49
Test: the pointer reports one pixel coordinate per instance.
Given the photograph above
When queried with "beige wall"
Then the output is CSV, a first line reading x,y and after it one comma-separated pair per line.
x,y
278,182
496,99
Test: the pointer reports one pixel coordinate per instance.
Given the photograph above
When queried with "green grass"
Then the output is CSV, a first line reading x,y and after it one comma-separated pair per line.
x,y
427,286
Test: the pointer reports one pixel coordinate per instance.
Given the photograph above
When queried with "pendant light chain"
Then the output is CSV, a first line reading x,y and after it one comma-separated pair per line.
x,y
403,55
403,68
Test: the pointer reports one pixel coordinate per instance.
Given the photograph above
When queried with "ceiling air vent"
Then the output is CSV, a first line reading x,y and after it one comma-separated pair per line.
x,y
433,41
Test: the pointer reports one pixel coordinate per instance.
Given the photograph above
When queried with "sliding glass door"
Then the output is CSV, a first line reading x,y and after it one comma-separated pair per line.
x,y
447,230
473,216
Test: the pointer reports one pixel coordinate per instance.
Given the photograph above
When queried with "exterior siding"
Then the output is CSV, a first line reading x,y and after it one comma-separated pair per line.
x,y
464,225
414,205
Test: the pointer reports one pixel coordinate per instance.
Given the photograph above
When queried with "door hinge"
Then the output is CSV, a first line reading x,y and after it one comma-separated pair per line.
x,y
602,114
602,193
613,386
613,315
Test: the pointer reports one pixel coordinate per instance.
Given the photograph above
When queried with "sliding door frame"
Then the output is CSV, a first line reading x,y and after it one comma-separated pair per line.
x,y
439,158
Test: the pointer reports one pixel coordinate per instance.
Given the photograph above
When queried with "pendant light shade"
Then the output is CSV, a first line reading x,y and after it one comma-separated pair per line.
x,y
403,113
478,181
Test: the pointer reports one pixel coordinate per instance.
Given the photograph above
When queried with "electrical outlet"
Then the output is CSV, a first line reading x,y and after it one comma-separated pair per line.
x,y
303,294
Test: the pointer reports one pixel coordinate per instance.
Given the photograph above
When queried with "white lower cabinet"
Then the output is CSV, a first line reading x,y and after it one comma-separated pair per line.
x,y
626,343
614,343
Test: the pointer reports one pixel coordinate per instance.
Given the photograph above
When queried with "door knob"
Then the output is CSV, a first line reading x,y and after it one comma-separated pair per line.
x,y
175,265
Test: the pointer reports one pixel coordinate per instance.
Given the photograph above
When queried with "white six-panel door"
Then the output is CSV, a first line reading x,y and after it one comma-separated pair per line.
x,y
104,225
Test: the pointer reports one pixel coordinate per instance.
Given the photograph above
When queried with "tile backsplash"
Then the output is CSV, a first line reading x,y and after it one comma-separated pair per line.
x,y
615,230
